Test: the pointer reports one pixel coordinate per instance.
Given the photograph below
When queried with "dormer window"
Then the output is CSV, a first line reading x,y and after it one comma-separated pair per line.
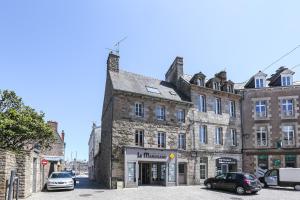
x,y
286,80
216,86
259,83
200,82
229,88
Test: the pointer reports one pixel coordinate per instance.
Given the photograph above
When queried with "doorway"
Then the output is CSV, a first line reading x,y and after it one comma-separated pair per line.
x,y
144,173
224,168
182,173
151,173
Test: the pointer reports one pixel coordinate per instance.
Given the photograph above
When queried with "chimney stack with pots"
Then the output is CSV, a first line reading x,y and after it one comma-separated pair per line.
x,y
113,62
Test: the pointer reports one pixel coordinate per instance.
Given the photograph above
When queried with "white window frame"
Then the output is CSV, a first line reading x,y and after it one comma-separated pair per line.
x,y
218,106
286,80
200,82
229,88
180,115
232,109
161,113
161,140
285,105
202,103
203,134
216,85
219,136
287,140
139,109
181,141
259,136
233,137
140,141
259,105
259,82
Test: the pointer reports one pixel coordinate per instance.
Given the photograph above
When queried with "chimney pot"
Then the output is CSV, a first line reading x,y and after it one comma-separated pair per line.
x,y
113,62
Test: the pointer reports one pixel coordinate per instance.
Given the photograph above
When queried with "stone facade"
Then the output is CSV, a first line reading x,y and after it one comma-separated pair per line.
x,y
262,109
166,116
94,144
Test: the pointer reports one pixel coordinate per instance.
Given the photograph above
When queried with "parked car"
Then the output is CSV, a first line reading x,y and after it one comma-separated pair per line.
x,y
284,177
235,181
60,181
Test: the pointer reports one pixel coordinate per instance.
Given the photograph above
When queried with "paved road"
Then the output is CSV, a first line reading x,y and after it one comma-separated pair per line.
x,y
88,190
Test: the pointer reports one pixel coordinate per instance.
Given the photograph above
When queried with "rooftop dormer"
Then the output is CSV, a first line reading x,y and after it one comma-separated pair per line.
x,y
228,86
282,77
198,79
257,81
214,83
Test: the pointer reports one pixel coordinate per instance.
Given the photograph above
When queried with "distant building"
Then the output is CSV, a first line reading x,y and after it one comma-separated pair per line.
x,y
271,121
94,142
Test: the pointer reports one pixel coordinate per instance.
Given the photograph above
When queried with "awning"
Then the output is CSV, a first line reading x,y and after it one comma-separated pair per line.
x,y
53,158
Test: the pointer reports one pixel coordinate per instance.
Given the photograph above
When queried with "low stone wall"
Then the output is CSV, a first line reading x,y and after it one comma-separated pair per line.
x,y
23,164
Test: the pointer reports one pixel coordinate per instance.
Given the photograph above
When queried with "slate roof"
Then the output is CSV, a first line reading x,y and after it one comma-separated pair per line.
x,y
135,83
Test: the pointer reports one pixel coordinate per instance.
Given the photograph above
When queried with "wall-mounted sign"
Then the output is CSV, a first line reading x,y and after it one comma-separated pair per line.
x,y
151,155
226,160
172,156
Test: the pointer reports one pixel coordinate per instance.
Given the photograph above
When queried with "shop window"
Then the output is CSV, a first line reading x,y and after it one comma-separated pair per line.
x,y
161,139
287,107
201,103
290,161
261,136
171,172
131,172
139,109
262,161
261,108
154,172
139,138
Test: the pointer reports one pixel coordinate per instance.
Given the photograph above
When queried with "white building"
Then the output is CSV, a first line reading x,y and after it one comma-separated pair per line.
x,y
94,141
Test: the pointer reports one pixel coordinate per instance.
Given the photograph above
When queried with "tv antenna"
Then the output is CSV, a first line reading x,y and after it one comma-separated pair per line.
x,y
116,48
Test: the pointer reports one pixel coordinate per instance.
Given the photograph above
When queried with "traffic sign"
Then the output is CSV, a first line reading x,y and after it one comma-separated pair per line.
x,y
44,162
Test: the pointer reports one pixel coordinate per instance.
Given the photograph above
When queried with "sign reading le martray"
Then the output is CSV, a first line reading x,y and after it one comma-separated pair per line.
x,y
150,155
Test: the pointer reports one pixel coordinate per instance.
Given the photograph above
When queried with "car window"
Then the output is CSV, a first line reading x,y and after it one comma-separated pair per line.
x,y
221,176
231,176
273,173
249,177
61,175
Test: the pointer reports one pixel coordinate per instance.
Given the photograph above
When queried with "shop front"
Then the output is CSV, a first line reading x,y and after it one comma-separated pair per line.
x,y
150,167
226,164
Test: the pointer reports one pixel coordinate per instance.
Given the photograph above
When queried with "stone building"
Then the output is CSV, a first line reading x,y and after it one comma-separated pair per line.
x,y
270,108
94,143
172,132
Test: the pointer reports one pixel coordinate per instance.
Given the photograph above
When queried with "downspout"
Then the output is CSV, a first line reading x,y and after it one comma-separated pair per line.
x,y
242,129
112,124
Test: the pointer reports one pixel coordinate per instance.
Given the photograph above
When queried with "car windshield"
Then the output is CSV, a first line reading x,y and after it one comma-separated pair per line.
x,y
249,177
61,175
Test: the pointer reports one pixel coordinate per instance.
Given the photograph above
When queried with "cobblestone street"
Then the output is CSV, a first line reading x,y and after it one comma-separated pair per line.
x,y
87,190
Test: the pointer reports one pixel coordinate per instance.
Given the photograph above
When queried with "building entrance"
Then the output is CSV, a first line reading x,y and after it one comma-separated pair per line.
x,y
151,173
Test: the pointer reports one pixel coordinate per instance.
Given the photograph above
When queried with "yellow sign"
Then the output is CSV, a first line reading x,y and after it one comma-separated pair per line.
x,y
172,156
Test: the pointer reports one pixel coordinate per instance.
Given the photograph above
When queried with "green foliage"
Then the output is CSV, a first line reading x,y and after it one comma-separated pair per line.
x,y
20,125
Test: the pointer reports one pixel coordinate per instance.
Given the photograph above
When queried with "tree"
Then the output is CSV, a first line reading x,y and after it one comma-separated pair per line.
x,y
20,125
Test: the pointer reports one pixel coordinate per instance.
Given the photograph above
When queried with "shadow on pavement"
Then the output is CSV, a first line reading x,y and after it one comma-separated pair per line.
x,y
281,188
228,192
85,183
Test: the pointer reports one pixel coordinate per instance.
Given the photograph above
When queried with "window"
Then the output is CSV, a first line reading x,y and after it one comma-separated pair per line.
x,y
219,136
200,82
286,80
131,172
233,137
180,114
290,161
139,138
229,88
287,107
262,161
218,106
202,171
161,139
202,103
181,141
171,172
259,83
152,90
139,109
261,136
260,108
203,134
232,111
160,113
216,86
288,135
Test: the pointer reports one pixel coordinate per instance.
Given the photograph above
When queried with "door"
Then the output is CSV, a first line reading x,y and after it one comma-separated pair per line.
x,y
146,173
203,172
224,168
181,173
271,177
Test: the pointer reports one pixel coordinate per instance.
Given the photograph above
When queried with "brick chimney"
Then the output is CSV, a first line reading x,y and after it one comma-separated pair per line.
x,y
175,71
113,62
63,135
53,125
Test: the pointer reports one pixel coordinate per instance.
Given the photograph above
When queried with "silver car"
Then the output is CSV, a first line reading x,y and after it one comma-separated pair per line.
x,y
60,181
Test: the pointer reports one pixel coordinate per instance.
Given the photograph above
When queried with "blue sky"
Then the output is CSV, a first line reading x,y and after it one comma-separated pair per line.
x,y
53,52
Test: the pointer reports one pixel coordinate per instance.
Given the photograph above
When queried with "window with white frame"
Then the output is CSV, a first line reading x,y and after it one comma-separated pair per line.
x,y
287,107
161,139
288,135
181,141
261,136
286,80
180,114
232,110
259,83
203,134
160,112
200,82
229,88
139,138
139,109
219,136
201,103
233,137
218,109
261,108
216,86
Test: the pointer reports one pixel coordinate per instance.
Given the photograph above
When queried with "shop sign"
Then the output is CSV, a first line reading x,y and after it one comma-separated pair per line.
x,y
277,162
226,161
172,156
151,155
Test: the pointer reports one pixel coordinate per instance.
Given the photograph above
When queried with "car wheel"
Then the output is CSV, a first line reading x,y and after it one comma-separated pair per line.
x,y
254,192
208,186
297,187
240,190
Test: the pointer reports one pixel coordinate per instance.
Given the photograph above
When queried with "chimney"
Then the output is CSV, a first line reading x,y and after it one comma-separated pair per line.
x,y
63,135
53,125
222,76
175,71
113,62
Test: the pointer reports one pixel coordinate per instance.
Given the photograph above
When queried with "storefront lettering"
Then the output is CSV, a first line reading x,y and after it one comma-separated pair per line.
x,y
150,155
